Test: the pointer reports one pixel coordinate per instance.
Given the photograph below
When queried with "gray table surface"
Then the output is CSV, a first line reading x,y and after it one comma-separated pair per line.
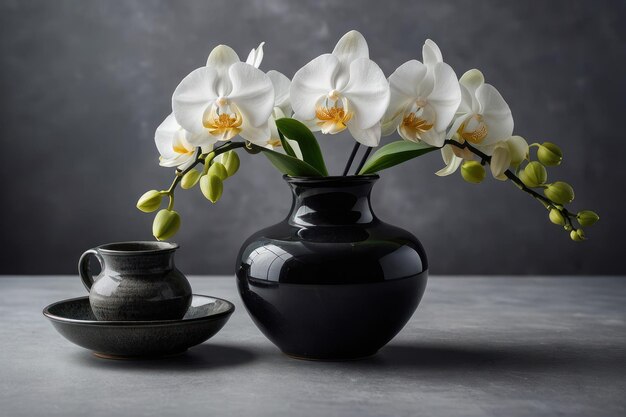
x,y
493,346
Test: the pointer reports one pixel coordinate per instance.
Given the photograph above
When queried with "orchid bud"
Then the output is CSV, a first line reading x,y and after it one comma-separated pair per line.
x,y
190,179
560,192
534,174
577,235
209,157
166,224
549,154
212,187
473,171
556,217
231,162
218,169
587,218
150,201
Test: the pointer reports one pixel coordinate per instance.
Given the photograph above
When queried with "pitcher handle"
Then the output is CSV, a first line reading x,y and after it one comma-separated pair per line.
x,y
83,267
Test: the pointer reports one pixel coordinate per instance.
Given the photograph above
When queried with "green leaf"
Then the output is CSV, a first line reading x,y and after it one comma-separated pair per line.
x,y
297,131
288,164
393,154
286,146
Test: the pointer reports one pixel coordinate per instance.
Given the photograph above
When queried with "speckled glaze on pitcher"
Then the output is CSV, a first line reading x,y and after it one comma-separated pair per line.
x,y
139,281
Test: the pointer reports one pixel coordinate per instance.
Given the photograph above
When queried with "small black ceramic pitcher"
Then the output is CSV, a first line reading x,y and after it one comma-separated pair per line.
x,y
138,282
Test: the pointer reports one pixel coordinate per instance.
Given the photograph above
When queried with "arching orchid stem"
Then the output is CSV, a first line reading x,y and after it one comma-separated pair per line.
x,y
222,146
351,159
547,203
363,159
200,160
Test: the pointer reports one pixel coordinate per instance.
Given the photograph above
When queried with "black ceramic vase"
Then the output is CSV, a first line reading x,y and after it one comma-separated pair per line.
x,y
331,281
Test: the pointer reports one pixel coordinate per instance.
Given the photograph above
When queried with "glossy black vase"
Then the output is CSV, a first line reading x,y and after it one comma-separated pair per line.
x,y
331,281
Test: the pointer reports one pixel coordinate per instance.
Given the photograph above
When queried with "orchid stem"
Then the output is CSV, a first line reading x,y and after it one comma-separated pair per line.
x,y
200,159
363,159
352,155
548,204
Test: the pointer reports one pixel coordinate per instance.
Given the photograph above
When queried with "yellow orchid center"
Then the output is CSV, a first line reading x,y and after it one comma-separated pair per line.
x,y
474,129
179,146
224,125
274,143
332,119
414,125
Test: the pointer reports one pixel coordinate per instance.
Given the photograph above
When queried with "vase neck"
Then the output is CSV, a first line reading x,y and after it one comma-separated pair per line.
x,y
331,201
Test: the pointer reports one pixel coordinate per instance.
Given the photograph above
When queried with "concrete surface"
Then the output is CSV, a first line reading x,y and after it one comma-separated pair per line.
x,y
476,347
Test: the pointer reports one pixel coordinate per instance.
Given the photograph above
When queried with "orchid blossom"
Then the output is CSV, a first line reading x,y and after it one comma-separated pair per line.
x,y
424,98
466,119
282,108
255,57
282,104
225,98
508,154
178,146
343,89
483,120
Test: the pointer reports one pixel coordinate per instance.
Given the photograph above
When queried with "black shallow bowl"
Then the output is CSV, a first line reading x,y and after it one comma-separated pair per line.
x,y
134,339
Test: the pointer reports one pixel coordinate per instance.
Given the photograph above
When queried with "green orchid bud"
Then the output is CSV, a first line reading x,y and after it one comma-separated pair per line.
x,y
190,179
209,157
549,154
166,224
556,217
231,162
212,187
560,192
534,174
587,218
473,171
150,201
218,169
207,162
577,235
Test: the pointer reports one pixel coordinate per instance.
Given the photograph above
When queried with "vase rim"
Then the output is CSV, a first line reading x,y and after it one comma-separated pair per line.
x,y
332,179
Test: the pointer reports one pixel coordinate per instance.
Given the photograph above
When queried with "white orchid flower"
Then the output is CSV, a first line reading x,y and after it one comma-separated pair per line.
x,y
424,98
508,154
282,108
483,119
282,105
225,98
178,146
255,57
504,155
343,89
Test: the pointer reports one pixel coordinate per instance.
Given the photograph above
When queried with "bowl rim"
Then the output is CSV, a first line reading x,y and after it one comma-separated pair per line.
x,y
135,323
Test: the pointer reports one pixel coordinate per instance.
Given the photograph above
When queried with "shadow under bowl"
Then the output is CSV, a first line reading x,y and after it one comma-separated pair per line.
x,y
75,321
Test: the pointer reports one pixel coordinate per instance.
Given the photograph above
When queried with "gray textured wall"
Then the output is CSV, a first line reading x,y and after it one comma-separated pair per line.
x,y
85,83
